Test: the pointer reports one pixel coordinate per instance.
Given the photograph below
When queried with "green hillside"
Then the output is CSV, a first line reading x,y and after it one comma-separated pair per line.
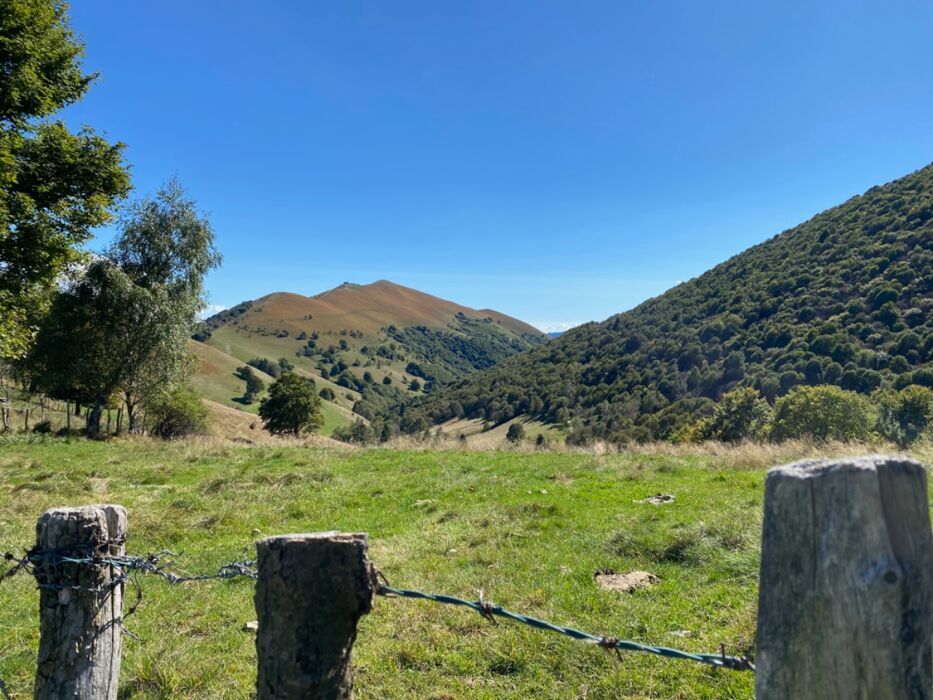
x,y
844,299
371,346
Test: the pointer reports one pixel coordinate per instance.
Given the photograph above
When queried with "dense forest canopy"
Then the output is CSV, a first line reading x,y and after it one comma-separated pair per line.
x,y
844,299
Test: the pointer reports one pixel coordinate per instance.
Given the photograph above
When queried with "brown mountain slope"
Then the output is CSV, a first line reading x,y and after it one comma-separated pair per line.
x,y
366,308
366,346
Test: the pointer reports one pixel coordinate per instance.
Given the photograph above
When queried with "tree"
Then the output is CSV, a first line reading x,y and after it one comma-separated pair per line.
x,y
291,406
822,413
515,433
123,326
177,414
254,385
741,414
55,186
359,433
905,415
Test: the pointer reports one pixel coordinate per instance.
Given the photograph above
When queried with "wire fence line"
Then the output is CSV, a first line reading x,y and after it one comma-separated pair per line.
x,y
39,563
490,611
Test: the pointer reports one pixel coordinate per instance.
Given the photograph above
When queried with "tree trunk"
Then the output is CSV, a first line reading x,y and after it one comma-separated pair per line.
x,y
80,606
130,414
93,416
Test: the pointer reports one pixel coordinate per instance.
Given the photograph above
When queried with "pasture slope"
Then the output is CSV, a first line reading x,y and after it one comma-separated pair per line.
x,y
529,529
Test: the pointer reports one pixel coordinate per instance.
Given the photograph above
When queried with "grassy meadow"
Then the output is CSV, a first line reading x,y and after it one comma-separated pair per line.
x,y
529,529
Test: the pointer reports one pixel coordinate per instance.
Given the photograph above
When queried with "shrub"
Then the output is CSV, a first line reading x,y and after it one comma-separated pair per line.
x,y
359,433
42,427
291,406
905,415
822,413
741,414
516,433
254,385
177,414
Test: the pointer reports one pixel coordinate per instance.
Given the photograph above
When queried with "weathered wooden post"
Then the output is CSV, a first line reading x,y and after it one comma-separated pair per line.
x,y
80,606
846,589
311,592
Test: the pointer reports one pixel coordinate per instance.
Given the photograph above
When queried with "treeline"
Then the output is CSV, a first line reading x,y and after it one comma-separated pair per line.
x,y
845,299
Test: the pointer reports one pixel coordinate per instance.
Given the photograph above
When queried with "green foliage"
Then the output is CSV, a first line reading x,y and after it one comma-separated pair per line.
x,y
905,415
359,433
273,369
741,414
845,299
822,413
254,385
177,414
55,186
122,328
468,345
515,433
291,406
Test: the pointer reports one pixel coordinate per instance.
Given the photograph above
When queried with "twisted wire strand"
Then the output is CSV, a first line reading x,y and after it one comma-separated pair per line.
x,y
491,611
159,564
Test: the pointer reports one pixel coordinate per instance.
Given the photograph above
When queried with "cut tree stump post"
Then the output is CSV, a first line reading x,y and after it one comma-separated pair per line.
x,y
311,592
846,586
80,607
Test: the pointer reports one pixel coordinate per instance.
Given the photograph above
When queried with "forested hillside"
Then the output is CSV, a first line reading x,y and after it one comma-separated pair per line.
x,y
844,299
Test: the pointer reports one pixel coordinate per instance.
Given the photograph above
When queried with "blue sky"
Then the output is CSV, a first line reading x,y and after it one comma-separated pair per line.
x,y
559,162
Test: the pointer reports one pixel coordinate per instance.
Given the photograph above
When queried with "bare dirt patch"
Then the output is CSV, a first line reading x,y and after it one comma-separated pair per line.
x,y
610,580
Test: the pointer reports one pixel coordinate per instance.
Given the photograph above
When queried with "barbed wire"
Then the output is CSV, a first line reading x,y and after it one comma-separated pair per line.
x,y
490,612
38,561
160,564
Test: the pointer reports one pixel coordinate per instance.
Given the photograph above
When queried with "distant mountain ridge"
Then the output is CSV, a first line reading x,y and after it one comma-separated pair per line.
x,y
364,307
845,298
366,345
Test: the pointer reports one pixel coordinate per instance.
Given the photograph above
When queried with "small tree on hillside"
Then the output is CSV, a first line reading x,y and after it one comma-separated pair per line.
x,y
741,414
177,414
291,406
822,413
515,433
905,415
254,385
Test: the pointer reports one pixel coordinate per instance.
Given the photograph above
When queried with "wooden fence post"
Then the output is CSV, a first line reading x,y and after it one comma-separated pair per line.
x,y
79,630
311,592
846,587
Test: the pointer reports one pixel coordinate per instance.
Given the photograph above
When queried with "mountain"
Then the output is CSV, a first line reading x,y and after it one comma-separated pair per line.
x,y
845,298
365,344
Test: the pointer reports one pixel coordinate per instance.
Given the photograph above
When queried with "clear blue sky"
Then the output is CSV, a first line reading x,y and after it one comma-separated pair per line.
x,y
559,162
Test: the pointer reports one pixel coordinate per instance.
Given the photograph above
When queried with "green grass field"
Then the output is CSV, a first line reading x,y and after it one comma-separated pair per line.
x,y
529,529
